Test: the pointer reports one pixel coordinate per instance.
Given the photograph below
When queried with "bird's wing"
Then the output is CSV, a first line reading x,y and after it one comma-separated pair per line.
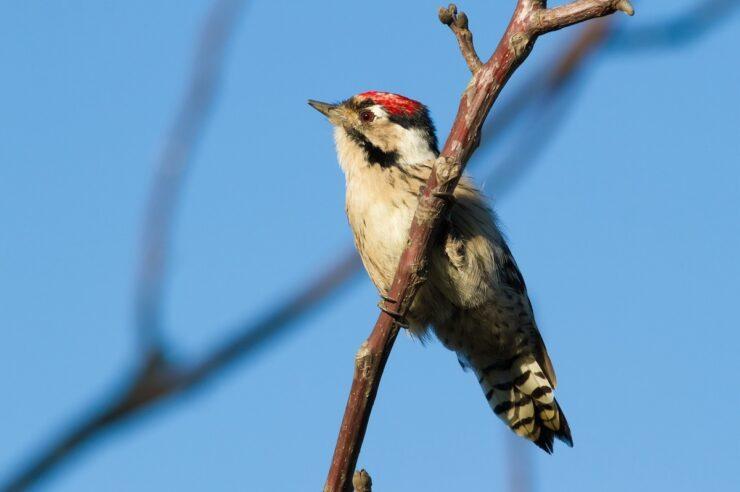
x,y
512,279
479,266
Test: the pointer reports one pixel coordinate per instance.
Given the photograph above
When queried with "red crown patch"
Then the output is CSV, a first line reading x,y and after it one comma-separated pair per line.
x,y
393,103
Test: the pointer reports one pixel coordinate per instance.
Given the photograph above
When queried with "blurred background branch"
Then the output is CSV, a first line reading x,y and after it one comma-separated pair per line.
x,y
156,376
683,29
176,155
537,105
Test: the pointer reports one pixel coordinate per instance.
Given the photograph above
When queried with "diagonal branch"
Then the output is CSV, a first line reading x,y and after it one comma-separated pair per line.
x,y
526,24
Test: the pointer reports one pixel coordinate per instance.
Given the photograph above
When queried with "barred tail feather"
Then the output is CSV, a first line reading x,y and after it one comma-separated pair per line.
x,y
521,395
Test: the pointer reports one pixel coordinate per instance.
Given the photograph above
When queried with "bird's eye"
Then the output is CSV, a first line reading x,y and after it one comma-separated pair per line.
x,y
367,116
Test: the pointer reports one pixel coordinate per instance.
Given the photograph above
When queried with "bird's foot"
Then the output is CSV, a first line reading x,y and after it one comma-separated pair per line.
x,y
389,298
448,197
397,316
442,195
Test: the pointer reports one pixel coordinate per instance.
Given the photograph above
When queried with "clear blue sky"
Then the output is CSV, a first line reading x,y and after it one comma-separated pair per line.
x,y
627,233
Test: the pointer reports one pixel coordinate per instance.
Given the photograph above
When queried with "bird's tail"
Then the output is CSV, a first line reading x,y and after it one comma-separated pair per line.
x,y
521,395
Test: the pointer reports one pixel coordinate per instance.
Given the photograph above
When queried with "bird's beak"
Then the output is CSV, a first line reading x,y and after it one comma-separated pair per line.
x,y
324,108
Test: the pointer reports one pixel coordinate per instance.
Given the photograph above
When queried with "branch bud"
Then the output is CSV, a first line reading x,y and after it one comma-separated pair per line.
x,y
461,20
361,481
445,16
625,6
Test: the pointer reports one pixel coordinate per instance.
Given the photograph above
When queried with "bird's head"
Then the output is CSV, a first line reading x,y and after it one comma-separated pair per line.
x,y
386,129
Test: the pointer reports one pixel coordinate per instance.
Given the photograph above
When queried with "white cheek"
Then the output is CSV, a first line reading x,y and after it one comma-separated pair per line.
x,y
413,147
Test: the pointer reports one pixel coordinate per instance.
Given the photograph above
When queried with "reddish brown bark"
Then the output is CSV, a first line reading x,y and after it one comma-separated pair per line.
x,y
530,19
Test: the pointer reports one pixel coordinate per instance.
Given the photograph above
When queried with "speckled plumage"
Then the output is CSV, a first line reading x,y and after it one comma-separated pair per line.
x,y
475,299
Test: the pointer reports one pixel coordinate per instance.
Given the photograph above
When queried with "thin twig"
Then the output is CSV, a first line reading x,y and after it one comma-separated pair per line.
x,y
525,26
458,23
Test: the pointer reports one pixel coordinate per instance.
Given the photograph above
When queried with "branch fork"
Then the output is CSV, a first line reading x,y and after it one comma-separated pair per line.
x,y
531,19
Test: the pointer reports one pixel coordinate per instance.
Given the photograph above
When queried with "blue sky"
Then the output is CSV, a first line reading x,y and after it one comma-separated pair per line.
x,y
626,231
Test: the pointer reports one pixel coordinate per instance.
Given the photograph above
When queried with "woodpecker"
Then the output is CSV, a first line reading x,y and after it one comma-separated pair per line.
x,y
474,300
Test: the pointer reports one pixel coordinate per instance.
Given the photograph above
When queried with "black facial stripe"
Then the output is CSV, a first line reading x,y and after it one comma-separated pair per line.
x,y
374,154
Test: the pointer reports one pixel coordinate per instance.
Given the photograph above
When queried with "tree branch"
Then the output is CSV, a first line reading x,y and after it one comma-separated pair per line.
x,y
548,20
458,23
477,100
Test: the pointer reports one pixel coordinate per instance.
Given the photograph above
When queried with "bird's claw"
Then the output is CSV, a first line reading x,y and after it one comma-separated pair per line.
x,y
443,195
398,317
389,298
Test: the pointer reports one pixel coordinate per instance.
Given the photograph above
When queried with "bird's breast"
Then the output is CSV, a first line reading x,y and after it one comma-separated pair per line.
x,y
380,215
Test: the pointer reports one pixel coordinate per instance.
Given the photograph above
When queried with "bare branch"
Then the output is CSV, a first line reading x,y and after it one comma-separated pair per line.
x,y
464,136
566,15
458,23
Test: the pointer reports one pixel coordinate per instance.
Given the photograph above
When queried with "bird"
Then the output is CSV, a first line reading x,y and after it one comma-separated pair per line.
x,y
474,298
